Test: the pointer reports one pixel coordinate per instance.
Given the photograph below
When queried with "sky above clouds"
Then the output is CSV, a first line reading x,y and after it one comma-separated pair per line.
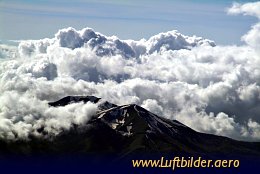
x,y
211,87
136,19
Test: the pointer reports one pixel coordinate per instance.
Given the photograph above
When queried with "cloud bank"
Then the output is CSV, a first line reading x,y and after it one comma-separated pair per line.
x,y
212,89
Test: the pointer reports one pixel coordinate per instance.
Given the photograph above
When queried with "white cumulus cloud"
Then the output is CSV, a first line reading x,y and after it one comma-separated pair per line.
x,y
252,38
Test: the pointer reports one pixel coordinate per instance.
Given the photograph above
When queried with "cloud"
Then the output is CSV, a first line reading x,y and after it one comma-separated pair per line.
x,y
212,89
109,46
251,8
8,51
152,106
23,115
252,38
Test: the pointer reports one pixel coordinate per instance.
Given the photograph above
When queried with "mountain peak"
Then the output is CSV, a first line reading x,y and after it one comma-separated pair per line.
x,y
125,130
74,99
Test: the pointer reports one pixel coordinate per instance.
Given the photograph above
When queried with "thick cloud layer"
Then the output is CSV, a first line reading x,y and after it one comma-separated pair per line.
x,y
8,51
23,116
213,89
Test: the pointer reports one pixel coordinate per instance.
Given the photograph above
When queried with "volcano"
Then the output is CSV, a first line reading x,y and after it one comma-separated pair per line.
x,y
126,130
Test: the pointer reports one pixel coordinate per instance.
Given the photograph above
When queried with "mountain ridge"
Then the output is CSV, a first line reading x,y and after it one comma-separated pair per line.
x,y
125,130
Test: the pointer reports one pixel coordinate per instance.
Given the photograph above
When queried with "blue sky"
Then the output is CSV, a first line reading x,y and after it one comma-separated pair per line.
x,y
129,19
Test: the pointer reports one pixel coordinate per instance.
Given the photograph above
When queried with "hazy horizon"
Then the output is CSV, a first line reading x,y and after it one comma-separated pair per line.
x,y
22,20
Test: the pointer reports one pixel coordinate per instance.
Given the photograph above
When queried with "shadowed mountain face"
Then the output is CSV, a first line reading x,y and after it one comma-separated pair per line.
x,y
125,130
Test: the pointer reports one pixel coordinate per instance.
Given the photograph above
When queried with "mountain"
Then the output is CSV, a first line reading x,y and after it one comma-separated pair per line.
x,y
126,130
